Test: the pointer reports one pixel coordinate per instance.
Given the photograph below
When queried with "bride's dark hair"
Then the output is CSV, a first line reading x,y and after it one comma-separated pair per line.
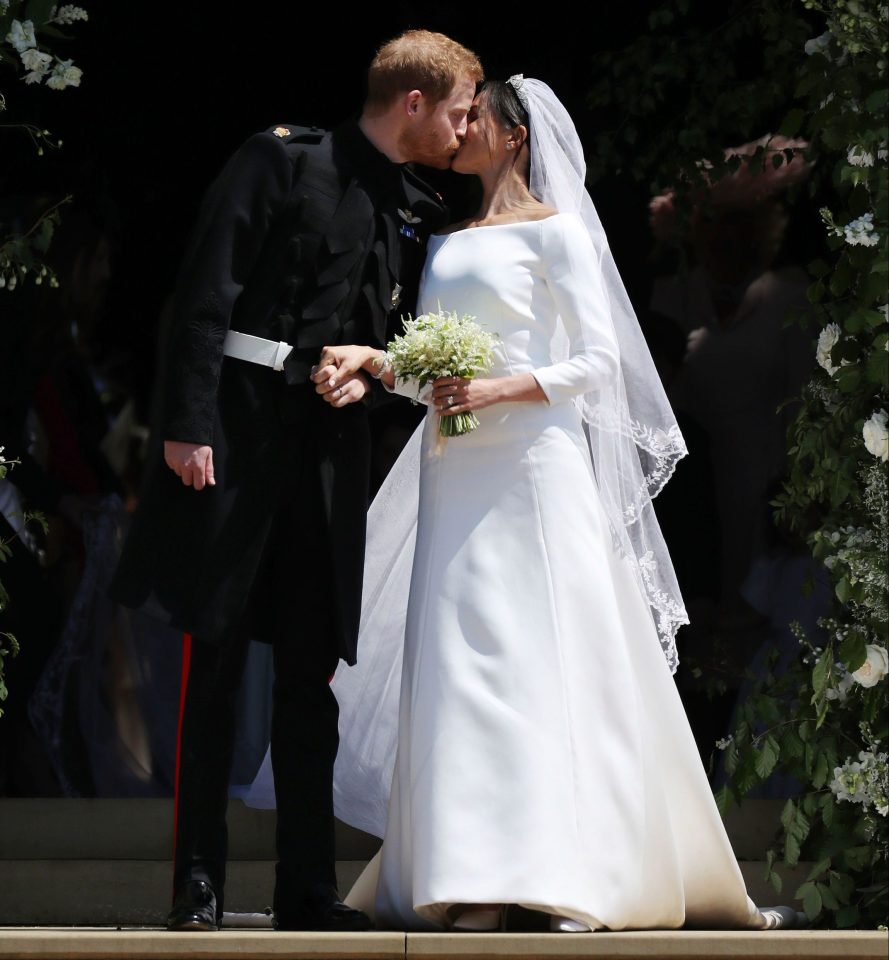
x,y
502,98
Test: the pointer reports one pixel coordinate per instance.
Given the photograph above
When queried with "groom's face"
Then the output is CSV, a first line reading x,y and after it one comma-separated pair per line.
x,y
436,131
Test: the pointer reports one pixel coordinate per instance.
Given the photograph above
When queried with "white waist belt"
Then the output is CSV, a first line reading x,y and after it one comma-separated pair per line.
x,y
270,353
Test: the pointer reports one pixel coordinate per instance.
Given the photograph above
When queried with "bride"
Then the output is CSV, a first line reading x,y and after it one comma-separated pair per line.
x,y
512,728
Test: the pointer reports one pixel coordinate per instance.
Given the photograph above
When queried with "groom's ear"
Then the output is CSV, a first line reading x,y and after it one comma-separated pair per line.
x,y
411,102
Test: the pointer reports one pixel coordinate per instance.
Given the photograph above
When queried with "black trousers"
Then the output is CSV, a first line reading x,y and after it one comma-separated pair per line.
x,y
295,587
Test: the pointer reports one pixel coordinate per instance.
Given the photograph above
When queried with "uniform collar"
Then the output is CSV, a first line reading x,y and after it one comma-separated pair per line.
x,y
364,159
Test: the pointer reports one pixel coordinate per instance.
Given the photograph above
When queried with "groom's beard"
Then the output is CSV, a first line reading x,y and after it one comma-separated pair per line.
x,y
426,147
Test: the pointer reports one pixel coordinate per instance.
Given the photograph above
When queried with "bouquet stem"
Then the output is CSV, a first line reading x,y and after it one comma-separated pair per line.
x,y
457,424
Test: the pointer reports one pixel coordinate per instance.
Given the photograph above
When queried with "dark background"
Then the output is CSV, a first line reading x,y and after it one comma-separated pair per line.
x,y
168,93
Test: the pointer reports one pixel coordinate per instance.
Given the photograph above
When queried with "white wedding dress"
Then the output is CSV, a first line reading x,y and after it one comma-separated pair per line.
x,y
543,754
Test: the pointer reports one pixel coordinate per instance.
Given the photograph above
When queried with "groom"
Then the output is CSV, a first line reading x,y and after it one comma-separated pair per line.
x,y
251,524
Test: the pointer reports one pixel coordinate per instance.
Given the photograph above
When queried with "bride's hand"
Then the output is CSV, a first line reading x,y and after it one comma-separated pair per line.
x,y
456,395
338,363
350,389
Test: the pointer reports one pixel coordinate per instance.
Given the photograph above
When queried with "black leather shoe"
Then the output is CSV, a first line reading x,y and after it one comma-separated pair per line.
x,y
321,909
194,908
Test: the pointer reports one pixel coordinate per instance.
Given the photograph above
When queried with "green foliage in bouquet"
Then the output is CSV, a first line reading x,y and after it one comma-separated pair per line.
x,y
822,720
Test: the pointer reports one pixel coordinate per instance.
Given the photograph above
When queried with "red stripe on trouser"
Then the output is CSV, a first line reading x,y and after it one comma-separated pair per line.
x,y
183,688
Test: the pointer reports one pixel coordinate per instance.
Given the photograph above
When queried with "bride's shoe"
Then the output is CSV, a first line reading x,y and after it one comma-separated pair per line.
x,y
566,925
480,921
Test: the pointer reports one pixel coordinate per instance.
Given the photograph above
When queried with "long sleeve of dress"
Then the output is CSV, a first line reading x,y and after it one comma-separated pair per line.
x,y
232,227
411,389
571,267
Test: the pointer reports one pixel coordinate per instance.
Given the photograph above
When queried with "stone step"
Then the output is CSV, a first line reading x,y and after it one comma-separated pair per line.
x,y
87,829
99,861
84,829
137,892
135,944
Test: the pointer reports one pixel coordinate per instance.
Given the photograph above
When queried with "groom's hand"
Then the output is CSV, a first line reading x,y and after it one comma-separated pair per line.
x,y
191,462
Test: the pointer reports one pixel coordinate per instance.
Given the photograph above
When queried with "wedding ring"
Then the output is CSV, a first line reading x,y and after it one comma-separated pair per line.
x,y
450,400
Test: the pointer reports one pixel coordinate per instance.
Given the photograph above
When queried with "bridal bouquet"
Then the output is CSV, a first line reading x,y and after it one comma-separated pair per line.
x,y
443,345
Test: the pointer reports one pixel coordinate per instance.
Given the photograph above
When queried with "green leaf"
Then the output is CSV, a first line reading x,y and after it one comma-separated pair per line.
x,y
853,651
821,867
876,102
822,772
857,858
790,125
812,902
724,800
877,368
791,745
767,757
848,378
39,10
842,885
848,916
827,897
843,591
821,673
791,852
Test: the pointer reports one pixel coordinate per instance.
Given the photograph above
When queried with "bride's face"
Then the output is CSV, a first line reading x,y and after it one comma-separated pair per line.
x,y
485,145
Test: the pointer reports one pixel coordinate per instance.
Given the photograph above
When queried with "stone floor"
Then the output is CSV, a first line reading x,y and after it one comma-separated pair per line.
x,y
95,943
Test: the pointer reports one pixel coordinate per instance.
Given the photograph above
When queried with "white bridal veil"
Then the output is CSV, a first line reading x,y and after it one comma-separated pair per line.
x,y
634,443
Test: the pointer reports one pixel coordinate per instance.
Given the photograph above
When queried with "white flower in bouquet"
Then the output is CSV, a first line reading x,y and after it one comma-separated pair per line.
x,y
864,781
37,64
874,668
818,45
848,782
876,435
859,157
69,14
64,75
860,232
443,344
827,340
21,35
844,683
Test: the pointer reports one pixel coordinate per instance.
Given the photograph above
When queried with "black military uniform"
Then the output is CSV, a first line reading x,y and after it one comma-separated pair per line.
x,y
311,238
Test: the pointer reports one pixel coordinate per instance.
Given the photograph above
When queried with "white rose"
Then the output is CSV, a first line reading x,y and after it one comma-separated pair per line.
x,y
21,35
874,668
876,435
827,340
